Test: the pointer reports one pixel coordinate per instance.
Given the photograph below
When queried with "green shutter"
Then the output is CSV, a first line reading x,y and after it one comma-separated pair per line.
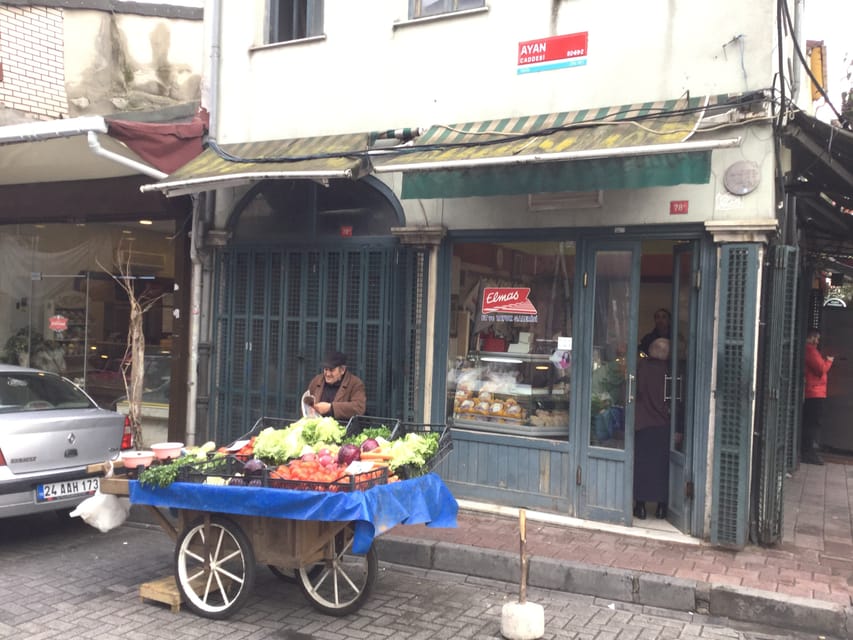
x,y
734,392
276,311
777,420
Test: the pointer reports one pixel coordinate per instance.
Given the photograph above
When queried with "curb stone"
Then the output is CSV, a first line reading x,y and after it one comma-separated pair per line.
x,y
647,589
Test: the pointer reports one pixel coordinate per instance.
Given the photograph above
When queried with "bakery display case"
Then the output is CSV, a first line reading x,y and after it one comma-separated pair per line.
x,y
514,393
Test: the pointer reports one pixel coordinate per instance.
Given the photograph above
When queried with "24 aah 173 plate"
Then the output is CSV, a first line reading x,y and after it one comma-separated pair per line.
x,y
66,489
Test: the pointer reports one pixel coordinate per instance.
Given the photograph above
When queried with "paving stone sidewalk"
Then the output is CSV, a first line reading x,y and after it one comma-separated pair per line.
x,y
806,581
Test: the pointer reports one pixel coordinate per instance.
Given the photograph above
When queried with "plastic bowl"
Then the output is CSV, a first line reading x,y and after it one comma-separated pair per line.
x,y
134,459
166,450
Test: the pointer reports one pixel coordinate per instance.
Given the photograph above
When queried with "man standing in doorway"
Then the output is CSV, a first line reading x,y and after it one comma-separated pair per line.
x,y
816,368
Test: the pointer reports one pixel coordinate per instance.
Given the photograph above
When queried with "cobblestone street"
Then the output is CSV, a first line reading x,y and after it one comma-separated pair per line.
x,y
70,581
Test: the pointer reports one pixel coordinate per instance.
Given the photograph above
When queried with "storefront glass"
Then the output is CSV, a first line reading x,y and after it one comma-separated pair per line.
x,y
610,331
511,337
63,309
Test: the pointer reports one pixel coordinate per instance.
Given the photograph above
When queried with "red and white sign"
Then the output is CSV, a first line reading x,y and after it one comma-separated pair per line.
x,y
57,323
678,207
512,300
553,49
346,231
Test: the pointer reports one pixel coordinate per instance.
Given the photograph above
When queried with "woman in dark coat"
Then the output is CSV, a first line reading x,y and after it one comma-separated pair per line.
x,y
651,431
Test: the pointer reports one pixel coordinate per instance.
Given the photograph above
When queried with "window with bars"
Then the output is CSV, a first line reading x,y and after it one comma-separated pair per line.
x,y
426,8
294,20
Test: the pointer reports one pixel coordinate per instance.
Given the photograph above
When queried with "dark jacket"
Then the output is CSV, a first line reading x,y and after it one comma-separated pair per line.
x,y
350,400
651,410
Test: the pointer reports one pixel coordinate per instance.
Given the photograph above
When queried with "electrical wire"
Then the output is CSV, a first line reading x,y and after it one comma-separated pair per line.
x,y
757,97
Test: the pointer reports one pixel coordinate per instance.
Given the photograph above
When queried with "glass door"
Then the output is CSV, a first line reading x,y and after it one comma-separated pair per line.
x,y
610,286
684,300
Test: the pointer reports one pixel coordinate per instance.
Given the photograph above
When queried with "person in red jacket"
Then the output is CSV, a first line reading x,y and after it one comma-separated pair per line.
x,y
816,367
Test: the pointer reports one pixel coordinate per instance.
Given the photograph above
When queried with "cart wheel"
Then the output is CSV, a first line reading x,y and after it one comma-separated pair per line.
x,y
344,581
222,588
292,575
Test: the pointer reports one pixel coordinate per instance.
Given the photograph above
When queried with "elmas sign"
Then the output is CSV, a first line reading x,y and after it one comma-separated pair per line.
x,y
556,52
507,304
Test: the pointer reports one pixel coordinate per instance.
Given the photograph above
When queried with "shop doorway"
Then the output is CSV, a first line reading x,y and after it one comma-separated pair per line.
x,y
607,365
624,285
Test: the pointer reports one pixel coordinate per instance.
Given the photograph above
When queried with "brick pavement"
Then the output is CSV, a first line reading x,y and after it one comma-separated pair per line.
x,y
814,560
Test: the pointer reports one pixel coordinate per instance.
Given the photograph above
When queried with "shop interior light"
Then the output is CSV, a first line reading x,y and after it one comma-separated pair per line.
x,y
501,359
146,222
542,367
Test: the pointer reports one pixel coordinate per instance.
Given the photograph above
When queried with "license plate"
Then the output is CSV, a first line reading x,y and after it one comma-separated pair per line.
x,y
66,489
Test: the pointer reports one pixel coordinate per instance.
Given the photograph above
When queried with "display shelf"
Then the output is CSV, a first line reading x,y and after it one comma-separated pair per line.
x,y
521,394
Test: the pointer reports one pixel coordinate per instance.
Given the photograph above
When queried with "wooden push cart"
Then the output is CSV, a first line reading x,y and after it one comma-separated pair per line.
x,y
216,557
323,541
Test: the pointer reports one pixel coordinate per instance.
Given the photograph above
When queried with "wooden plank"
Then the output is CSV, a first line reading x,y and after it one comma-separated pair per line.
x,y
164,590
115,486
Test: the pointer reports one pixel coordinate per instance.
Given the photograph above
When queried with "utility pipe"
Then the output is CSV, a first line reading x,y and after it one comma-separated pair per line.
x,y
193,322
537,158
141,167
50,129
203,204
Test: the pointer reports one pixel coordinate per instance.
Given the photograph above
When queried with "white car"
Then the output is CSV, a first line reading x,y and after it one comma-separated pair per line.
x,y
50,430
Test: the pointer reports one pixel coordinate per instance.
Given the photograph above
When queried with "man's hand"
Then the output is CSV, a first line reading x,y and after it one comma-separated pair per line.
x,y
323,408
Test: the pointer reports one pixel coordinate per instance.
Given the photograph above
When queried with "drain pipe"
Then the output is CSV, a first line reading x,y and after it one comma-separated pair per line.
x,y
141,167
199,203
202,205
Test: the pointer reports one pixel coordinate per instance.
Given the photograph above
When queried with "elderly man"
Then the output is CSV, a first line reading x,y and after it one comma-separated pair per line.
x,y
336,391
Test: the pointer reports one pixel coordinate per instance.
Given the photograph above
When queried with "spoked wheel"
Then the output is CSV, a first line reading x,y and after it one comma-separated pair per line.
x,y
292,575
344,580
214,567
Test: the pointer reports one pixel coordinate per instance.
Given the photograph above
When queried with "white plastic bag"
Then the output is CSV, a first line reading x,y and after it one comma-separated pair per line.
x,y
308,410
103,511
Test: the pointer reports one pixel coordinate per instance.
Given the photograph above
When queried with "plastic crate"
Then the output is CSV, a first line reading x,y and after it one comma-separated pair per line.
x,y
357,424
346,483
260,424
264,422
445,446
226,468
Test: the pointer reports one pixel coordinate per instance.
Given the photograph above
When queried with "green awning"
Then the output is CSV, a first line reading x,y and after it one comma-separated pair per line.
x,y
317,158
626,147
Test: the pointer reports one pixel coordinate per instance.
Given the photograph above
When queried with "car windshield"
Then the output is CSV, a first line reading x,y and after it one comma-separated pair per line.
x,y
39,391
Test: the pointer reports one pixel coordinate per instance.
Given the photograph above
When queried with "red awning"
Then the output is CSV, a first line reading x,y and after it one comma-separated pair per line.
x,y
165,146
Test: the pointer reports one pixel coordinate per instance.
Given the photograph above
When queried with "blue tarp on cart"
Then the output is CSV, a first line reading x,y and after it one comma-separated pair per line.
x,y
423,500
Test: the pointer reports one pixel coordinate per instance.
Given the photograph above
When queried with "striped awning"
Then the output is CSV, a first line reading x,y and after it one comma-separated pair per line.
x,y
632,146
319,158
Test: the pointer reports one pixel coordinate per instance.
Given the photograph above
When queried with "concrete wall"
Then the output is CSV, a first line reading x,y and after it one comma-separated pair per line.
x,y
376,70
130,62
59,62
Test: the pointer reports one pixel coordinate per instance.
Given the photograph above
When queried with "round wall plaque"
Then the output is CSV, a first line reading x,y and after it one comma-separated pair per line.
x,y
742,177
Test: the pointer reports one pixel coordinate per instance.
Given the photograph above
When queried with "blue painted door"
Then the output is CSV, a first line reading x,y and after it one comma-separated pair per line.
x,y
605,372
679,389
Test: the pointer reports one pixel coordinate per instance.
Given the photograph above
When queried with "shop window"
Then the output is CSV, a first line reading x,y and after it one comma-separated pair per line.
x,y
425,8
302,209
295,19
510,347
